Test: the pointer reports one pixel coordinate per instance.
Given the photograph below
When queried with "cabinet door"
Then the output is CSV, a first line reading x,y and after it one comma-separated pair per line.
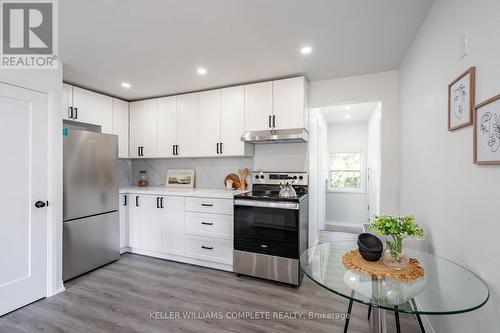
x,y
107,114
232,120
135,128
187,123
288,103
120,126
67,100
173,225
87,106
258,106
152,226
210,120
135,220
150,128
167,126
123,213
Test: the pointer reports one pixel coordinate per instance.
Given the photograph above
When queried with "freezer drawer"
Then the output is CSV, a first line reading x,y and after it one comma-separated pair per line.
x,y
89,243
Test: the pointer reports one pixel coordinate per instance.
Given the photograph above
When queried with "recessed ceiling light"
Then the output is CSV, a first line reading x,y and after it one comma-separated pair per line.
x,y
348,107
347,116
201,71
306,50
126,85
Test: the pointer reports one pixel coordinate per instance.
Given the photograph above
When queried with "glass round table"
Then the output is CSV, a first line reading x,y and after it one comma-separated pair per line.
x,y
446,288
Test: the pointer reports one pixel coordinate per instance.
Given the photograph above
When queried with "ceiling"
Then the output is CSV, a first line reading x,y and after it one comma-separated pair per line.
x,y
349,113
156,45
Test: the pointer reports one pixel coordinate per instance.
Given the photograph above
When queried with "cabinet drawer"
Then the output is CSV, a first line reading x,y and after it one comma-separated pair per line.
x,y
208,248
206,205
212,225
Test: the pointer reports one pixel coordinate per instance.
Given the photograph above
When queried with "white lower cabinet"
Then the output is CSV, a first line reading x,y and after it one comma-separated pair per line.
x,y
187,229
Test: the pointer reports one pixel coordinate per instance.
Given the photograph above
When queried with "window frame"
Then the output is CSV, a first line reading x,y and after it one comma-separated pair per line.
x,y
362,188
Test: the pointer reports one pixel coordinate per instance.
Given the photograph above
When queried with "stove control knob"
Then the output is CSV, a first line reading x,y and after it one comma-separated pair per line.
x,y
261,176
300,177
294,177
256,176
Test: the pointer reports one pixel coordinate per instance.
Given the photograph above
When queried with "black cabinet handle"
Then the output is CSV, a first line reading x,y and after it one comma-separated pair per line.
x,y
157,202
221,147
40,204
217,148
173,149
207,247
137,201
270,122
138,151
70,112
274,121
207,205
176,149
76,113
124,200
207,223
161,202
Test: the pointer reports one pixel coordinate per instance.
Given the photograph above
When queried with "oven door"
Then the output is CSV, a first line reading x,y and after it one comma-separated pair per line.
x,y
267,227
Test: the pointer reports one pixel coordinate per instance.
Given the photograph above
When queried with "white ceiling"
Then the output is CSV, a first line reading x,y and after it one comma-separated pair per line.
x,y
156,45
355,112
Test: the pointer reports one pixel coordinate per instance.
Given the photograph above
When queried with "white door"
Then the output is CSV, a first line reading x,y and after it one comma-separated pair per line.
x,y
232,120
120,126
149,128
135,220
123,213
288,103
86,106
135,128
107,114
258,106
187,123
23,227
173,225
209,120
167,126
151,228
67,100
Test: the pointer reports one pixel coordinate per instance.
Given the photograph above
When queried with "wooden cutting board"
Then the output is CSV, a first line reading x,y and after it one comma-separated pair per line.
x,y
236,180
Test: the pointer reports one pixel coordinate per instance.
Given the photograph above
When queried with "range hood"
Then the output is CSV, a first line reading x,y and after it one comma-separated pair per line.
x,y
298,135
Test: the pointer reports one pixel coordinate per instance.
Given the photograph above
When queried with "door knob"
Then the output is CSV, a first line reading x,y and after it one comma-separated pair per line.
x,y
40,204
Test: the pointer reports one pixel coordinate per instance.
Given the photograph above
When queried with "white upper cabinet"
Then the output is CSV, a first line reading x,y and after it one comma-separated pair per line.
x,y
289,104
167,126
86,106
67,101
120,126
232,122
135,129
187,125
150,128
258,106
210,123
107,114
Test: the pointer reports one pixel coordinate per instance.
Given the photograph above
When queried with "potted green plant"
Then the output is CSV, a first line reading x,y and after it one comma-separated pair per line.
x,y
396,228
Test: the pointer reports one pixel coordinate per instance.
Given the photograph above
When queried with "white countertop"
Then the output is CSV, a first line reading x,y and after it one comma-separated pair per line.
x,y
196,192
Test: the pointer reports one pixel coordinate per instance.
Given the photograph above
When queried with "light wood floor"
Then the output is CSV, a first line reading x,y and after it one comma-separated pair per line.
x,y
120,296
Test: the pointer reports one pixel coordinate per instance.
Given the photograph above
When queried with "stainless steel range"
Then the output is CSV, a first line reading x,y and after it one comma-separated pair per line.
x,y
270,231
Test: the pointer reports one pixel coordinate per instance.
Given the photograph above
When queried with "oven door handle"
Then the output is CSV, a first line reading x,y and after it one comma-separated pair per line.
x,y
267,204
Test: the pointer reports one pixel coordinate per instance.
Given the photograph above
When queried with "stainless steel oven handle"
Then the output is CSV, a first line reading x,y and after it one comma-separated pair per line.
x,y
267,204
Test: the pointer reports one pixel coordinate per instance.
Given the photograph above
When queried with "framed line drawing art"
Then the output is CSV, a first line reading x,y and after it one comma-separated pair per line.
x,y
487,131
461,95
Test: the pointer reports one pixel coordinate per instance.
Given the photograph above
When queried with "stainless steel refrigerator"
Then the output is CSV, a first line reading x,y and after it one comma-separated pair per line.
x,y
91,236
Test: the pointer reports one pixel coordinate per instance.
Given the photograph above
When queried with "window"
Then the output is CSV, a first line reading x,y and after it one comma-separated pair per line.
x,y
346,172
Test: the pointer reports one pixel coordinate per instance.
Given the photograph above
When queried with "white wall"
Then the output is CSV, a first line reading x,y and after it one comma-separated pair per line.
x,y
456,201
383,87
341,206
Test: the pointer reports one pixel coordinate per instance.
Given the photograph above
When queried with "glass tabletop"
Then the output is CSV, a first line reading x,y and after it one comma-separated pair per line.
x,y
446,288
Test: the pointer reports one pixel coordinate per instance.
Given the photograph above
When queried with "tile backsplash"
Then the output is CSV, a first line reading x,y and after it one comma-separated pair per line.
x,y
210,172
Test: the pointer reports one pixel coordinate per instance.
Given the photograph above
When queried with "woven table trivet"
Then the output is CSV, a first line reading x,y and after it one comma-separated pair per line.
x,y
353,260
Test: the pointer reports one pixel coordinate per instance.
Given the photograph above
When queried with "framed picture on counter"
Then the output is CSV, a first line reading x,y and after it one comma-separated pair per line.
x,y
180,178
487,131
461,95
